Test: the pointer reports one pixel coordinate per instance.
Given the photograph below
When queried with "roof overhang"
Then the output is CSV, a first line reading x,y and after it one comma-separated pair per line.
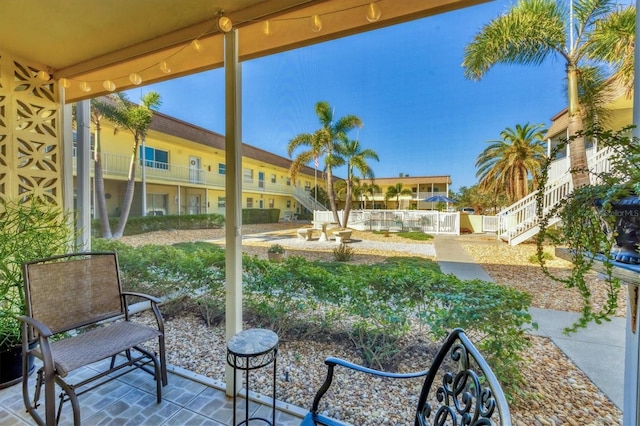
x,y
94,41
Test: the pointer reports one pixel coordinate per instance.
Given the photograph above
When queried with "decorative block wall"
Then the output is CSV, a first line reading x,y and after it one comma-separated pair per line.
x,y
30,134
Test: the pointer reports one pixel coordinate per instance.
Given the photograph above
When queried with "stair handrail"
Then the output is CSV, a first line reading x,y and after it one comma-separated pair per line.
x,y
522,215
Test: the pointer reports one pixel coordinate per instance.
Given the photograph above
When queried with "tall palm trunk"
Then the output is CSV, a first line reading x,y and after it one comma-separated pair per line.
x,y
99,186
129,191
332,196
577,150
347,204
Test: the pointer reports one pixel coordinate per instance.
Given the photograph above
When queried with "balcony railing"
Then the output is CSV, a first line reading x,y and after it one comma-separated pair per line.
x,y
117,166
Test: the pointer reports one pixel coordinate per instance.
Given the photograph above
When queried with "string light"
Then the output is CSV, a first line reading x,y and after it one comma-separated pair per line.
x,y
316,23
135,78
224,24
266,28
373,12
109,85
197,46
164,67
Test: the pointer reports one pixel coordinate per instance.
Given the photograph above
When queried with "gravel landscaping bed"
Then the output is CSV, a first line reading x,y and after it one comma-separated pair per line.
x,y
559,393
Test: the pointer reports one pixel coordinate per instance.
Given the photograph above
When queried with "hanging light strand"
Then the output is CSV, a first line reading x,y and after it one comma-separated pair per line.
x,y
223,24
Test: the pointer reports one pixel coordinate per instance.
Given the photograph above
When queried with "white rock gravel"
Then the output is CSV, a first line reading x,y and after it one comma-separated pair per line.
x,y
559,393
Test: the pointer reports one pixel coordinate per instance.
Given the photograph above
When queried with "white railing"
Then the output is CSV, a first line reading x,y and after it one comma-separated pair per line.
x,y
490,223
427,221
114,165
303,197
521,218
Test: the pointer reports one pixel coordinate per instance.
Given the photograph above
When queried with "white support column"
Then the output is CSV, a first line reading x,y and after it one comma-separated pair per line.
x,y
67,154
631,400
83,176
233,187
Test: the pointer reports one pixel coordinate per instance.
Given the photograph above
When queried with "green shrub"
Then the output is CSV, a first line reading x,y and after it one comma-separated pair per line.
x,y
343,253
544,256
142,224
250,216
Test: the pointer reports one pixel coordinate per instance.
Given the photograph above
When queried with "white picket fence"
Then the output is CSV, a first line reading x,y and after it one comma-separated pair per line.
x,y
428,221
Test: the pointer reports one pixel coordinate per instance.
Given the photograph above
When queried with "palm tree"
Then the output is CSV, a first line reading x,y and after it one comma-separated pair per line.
x,y
396,191
322,143
508,163
136,119
356,159
533,30
101,202
369,189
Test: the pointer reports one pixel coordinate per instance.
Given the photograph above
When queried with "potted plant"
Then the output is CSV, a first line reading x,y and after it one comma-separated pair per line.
x,y
28,231
275,253
600,221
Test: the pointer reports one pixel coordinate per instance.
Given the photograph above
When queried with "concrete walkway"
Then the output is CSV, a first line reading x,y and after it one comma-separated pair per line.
x,y
597,350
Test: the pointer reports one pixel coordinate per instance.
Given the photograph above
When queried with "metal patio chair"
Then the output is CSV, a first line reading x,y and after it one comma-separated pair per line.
x,y
77,314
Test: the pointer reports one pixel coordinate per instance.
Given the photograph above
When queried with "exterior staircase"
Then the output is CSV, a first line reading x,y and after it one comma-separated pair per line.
x,y
303,197
520,221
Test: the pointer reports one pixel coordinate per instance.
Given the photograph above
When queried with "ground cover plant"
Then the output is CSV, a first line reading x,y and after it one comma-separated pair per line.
x,y
382,310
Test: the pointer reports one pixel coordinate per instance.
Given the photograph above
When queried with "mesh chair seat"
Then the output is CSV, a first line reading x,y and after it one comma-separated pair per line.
x,y
98,344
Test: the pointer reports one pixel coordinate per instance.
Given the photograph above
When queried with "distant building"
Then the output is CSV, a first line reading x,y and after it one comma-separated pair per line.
x,y
421,187
184,170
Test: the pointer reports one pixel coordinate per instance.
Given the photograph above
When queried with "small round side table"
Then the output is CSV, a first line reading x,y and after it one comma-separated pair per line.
x,y
249,350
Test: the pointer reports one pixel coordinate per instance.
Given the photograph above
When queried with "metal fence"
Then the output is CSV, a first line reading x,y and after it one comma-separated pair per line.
x,y
427,221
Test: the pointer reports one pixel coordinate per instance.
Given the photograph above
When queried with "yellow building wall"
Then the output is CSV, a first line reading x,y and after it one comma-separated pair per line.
x,y
190,198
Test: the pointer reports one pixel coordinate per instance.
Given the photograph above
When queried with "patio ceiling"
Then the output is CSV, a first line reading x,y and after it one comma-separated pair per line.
x,y
93,41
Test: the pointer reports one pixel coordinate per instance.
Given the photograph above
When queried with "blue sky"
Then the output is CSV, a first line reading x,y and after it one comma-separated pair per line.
x,y
406,83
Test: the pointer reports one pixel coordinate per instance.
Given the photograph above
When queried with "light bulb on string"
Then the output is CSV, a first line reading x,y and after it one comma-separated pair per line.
x,y
135,78
266,28
109,85
197,46
316,23
43,75
224,24
373,12
85,87
64,82
164,67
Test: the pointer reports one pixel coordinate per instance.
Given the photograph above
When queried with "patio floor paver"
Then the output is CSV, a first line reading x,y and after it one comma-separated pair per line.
x,y
188,399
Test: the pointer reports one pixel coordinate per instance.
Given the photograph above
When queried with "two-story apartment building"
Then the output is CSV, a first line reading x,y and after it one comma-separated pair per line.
x,y
184,172
421,187
619,114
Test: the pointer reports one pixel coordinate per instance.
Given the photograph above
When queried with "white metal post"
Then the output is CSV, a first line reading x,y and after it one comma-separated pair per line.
x,y
631,400
83,200
233,187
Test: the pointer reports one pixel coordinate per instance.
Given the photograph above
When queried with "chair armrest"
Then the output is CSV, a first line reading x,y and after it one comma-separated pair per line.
x,y
363,369
42,329
154,301
332,362
43,340
143,296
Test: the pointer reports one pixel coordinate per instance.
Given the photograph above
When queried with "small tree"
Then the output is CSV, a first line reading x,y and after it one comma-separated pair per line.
x,y
136,119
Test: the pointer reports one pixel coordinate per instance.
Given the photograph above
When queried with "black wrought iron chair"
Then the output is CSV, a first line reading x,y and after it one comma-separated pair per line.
x,y
81,294
459,388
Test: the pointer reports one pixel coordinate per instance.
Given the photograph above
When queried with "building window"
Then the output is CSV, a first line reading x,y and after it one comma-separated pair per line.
x,y
155,158
288,204
222,202
248,175
222,169
273,178
307,185
249,203
288,181
272,203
